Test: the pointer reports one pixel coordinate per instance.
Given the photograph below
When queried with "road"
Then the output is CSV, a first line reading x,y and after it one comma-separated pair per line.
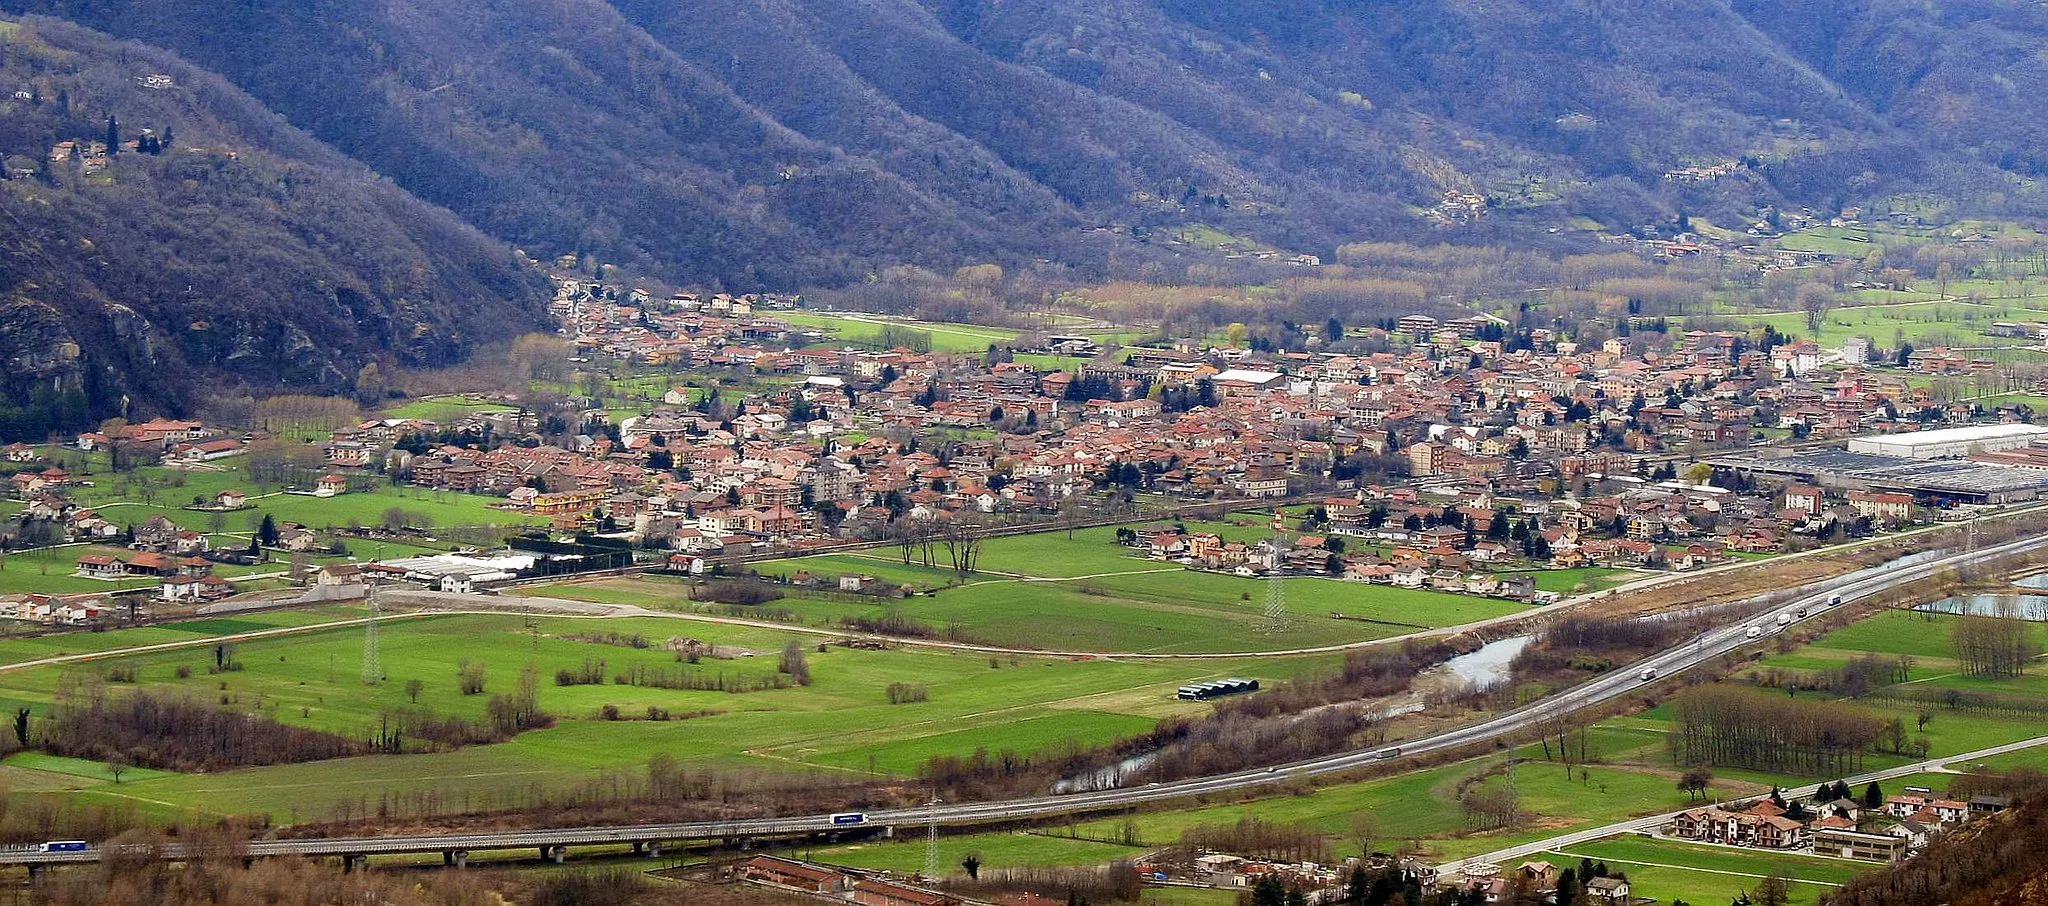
x,y
1651,822
1498,730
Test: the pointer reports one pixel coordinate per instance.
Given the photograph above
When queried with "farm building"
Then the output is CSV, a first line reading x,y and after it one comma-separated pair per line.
x,y
1197,692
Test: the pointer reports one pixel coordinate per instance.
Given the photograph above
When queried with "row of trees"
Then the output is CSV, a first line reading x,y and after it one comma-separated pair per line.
x,y
1740,727
176,733
922,541
1992,646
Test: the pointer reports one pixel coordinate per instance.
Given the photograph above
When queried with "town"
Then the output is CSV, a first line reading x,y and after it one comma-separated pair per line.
x,y
1455,455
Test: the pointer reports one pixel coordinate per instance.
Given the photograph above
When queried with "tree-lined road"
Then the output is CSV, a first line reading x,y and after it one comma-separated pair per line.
x,y
1499,730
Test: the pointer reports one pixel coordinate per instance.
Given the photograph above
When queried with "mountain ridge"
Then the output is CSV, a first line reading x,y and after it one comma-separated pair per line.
x,y
782,143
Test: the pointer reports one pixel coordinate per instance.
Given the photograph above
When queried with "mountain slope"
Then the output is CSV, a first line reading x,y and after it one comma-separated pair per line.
x,y
245,252
1966,75
789,142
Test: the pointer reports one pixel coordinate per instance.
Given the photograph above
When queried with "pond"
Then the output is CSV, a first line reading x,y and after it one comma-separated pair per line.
x,y
2025,607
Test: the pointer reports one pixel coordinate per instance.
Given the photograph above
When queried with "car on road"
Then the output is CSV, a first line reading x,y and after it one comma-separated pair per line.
x,y
1648,674
1784,619
1755,631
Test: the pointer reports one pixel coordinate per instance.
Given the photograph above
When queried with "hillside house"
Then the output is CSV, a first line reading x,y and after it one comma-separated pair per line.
x,y
1608,891
101,566
1756,827
338,574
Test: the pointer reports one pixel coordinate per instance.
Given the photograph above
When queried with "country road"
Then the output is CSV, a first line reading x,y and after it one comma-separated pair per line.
x,y
1650,822
1498,730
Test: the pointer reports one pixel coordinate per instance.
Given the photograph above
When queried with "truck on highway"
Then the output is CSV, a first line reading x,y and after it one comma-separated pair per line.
x,y
1648,674
65,846
845,818
1755,631
1784,619
1387,753
1834,600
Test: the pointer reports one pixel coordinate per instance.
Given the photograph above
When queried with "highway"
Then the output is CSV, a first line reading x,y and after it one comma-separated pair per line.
x,y
1811,601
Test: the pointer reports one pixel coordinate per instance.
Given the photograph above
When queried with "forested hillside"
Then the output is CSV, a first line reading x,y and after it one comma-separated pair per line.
x,y
789,142
212,242
1962,75
784,144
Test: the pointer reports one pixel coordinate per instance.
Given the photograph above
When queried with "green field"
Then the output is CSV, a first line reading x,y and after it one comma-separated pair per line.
x,y
1089,594
1921,636
48,570
132,497
1669,870
857,328
842,722
1420,809
997,851
1580,581
1919,319
444,409
14,650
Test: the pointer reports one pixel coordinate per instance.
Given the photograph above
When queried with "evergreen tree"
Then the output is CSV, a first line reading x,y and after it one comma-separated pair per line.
x,y
1356,887
113,136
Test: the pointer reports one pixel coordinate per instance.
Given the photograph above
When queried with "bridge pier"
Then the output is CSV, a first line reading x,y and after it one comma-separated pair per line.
x,y
35,872
353,863
649,848
455,858
556,854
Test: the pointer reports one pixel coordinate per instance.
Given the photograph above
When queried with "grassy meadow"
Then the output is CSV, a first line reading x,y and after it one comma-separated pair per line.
x,y
1088,593
842,722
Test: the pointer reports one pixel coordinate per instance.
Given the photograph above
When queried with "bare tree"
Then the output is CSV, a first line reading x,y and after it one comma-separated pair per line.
x,y
794,664
962,537
1365,828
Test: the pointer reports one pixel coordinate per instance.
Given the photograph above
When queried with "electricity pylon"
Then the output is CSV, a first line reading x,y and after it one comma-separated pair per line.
x,y
373,659
1275,618
931,841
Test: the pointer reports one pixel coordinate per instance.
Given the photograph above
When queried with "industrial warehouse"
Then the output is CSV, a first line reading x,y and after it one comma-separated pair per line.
x,y
1985,464
1950,443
